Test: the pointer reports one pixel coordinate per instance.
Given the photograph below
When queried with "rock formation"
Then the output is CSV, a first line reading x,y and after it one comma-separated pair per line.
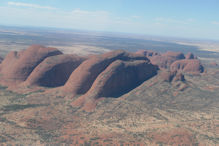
x,y
54,71
147,53
108,75
166,59
117,79
83,77
1,59
122,76
175,62
170,76
190,56
174,55
188,66
179,77
17,66
162,60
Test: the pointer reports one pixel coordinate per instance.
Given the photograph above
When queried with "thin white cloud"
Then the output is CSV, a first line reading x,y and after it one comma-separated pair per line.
x,y
76,18
215,22
83,13
136,17
19,4
162,20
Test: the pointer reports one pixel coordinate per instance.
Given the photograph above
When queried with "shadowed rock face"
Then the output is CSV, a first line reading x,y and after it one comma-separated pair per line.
x,y
118,78
166,59
187,65
179,77
17,66
108,75
1,59
54,71
162,60
83,77
190,56
172,64
9,60
170,76
174,55
147,53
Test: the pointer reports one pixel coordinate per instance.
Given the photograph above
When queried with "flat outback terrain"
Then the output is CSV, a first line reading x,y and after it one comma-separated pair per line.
x,y
62,87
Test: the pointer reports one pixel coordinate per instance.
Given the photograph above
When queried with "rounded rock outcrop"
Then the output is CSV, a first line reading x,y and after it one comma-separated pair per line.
x,y
171,76
164,60
17,66
83,77
174,55
54,71
117,79
120,77
188,66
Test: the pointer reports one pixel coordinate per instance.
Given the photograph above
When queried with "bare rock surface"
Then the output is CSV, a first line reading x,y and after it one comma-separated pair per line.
x,y
162,60
190,56
174,55
17,66
188,66
83,77
118,78
170,76
147,53
166,59
54,71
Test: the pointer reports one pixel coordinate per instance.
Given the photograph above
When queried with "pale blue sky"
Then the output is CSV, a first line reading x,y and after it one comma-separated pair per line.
x,y
180,18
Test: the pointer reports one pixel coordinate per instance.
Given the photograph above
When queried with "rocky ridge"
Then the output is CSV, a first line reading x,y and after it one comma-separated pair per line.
x,y
111,74
130,101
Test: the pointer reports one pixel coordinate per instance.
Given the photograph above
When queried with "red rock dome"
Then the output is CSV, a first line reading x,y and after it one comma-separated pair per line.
x,y
17,66
189,66
117,79
83,77
54,71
